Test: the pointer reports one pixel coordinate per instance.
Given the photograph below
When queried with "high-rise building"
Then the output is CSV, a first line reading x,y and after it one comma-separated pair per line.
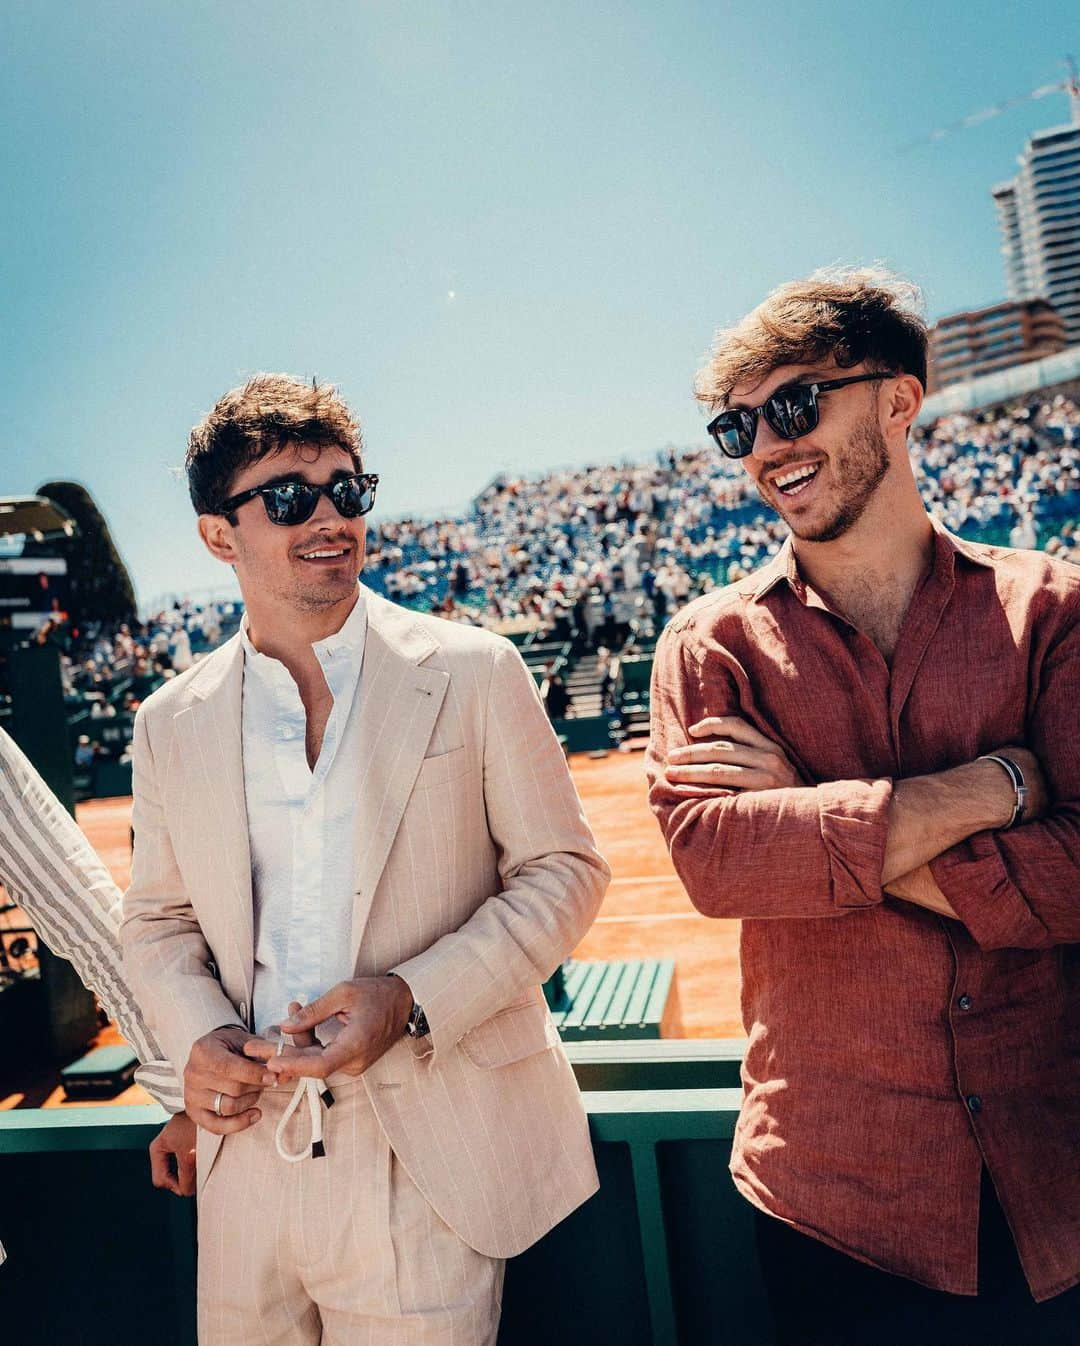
x,y
1039,215
967,345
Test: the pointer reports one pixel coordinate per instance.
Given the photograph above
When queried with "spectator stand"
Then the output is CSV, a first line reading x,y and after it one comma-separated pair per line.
x,y
599,550
109,671
570,691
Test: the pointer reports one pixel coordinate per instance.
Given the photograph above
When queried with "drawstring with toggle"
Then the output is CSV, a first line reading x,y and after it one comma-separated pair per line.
x,y
318,1095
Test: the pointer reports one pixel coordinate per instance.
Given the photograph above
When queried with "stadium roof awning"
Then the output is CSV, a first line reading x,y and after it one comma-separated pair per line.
x,y
34,516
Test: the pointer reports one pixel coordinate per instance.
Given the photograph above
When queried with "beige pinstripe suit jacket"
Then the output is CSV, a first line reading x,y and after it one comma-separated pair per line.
x,y
477,876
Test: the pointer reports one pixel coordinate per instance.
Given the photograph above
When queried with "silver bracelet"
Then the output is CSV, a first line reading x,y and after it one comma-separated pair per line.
x,y
1014,773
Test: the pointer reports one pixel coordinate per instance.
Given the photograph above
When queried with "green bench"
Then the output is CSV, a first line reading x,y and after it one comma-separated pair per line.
x,y
625,999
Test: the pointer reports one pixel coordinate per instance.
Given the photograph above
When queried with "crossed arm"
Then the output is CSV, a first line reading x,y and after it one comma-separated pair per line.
x,y
926,815
750,839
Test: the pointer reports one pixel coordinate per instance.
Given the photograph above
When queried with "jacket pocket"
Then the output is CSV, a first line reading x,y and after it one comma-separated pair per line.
x,y
447,766
520,1031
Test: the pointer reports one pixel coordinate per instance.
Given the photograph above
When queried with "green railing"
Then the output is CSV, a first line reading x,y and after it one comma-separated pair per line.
x,y
95,1254
663,1255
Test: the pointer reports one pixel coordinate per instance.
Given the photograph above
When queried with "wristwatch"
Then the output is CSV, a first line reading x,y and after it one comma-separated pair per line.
x,y
417,1026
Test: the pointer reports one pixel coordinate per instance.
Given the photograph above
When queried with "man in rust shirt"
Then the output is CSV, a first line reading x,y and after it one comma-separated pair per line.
x,y
818,764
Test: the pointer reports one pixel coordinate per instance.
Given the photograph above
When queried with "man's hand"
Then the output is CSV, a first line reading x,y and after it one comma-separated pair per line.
x,y
217,1065
920,888
373,1012
172,1156
732,755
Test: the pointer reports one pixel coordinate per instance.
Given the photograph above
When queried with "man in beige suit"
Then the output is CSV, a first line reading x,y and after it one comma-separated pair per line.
x,y
364,810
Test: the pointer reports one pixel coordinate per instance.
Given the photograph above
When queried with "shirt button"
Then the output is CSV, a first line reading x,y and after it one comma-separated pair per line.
x,y
974,1103
965,1002
243,1010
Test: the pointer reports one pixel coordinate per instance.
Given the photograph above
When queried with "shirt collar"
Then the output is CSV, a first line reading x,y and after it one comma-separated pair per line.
x,y
784,565
348,639
781,567
949,545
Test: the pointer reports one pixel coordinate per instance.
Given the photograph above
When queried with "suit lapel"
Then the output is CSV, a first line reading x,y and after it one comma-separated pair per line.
x,y
209,737
399,704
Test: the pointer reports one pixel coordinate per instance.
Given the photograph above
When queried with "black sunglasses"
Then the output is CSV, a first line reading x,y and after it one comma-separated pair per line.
x,y
792,411
292,502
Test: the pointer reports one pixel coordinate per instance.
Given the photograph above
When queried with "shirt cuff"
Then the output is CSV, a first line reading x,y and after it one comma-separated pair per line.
x,y
159,1080
854,818
977,885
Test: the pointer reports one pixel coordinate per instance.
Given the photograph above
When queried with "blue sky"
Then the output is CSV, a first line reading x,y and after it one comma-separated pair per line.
x,y
194,192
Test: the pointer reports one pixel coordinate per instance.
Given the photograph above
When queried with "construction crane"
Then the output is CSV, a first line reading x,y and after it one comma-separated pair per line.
x,y
1070,86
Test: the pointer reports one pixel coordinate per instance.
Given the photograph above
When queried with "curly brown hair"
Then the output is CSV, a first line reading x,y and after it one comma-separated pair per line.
x,y
848,314
257,420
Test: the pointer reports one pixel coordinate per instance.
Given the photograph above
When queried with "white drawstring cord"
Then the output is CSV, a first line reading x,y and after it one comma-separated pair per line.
x,y
316,1092
312,1090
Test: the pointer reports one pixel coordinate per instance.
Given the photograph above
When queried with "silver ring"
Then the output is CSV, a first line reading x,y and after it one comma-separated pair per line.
x,y
217,1105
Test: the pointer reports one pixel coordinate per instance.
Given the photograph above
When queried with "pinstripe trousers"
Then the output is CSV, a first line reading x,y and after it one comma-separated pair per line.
x,y
341,1250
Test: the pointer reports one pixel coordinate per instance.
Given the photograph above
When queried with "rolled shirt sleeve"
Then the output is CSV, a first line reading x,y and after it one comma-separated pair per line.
x,y
806,851
1021,888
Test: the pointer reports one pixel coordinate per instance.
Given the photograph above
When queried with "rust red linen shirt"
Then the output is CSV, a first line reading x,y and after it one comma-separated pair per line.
x,y
893,1052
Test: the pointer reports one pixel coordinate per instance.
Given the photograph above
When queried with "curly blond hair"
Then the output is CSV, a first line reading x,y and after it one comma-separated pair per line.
x,y
848,314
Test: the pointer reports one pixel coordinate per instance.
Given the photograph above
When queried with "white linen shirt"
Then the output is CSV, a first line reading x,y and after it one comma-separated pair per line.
x,y
301,824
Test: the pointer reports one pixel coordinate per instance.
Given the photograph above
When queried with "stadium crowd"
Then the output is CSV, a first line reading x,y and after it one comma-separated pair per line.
x,y
634,542
107,672
603,555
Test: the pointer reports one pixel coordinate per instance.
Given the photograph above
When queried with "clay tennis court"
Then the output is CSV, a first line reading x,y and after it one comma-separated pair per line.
x,y
646,912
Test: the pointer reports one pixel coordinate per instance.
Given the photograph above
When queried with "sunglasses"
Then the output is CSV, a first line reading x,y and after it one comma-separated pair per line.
x,y
291,502
791,412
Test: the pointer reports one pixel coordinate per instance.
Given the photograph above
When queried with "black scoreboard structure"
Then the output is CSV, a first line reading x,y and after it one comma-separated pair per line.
x,y
33,589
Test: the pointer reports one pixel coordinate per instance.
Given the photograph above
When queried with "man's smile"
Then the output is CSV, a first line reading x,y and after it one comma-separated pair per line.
x,y
795,479
326,555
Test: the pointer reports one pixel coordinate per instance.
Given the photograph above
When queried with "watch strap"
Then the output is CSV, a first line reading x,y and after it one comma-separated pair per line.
x,y
417,1026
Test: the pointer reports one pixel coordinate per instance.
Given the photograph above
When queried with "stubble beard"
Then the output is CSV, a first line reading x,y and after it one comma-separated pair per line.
x,y
318,598
301,595
859,469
